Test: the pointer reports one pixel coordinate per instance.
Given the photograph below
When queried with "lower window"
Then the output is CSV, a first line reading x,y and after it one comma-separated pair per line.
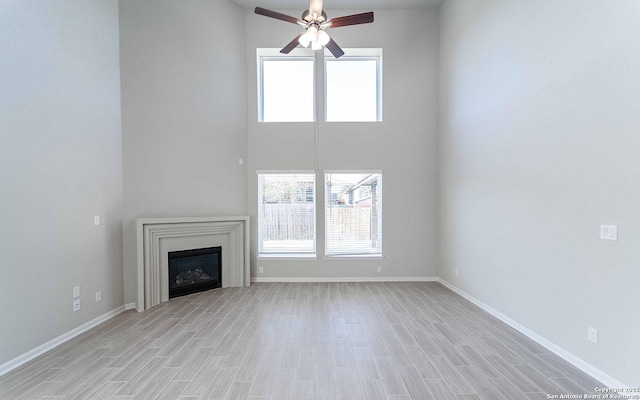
x,y
353,214
286,214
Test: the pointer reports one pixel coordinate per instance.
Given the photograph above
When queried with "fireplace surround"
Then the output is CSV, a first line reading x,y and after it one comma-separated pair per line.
x,y
156,237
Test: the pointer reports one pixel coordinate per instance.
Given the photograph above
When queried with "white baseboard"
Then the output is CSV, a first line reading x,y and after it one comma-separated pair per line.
x,y
130,306
347,279
30,355
579,363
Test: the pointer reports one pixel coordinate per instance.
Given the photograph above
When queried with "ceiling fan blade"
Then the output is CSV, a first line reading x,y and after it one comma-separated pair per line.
x,y
315,6
276,15
292,45
355,19
334,48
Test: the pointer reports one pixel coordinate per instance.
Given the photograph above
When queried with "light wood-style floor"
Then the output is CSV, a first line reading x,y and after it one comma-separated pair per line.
x,y
338,341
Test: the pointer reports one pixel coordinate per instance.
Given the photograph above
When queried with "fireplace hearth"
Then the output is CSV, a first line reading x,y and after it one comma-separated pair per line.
x,y
196,270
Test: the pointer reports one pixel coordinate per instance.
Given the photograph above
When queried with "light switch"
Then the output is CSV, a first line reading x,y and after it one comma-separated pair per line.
x,y
609,232
592,334
96,220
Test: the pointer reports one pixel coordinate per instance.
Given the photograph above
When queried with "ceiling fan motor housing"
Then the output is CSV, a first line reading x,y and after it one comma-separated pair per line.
x,y
306,16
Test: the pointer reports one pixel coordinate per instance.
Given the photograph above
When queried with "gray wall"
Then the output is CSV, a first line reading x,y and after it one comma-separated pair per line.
x,y
539,132
184,112
403,145
60,164
539,109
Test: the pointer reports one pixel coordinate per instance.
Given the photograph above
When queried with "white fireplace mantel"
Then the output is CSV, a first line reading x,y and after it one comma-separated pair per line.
x,y
155,237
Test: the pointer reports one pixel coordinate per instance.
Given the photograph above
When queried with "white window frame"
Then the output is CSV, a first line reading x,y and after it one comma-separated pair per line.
x,y
286,254
263,54
362,54
320,59
327,202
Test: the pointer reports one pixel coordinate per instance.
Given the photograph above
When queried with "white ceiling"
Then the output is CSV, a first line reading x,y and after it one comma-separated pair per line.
x,y
364,5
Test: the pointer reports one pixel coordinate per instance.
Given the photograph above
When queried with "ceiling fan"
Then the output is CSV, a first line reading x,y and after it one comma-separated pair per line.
x,y
315,21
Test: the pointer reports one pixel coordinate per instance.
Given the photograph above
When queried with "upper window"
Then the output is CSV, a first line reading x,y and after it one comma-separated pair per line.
x,y
353,87
353,214
286,88
286,213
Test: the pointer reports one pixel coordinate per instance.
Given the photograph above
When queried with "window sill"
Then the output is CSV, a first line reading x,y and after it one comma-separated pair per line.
x,y
353,121
342,257
285,256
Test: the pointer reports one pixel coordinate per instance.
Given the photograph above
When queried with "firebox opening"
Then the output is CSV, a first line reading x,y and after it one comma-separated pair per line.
x,y
192,271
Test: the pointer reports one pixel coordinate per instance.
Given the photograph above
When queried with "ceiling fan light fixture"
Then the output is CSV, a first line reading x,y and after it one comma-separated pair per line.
x,y
323,37
310,37
304,40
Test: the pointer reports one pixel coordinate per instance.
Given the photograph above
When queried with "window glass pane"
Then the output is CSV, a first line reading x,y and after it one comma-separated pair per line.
x,y
286,213
353,214
352,90
287,90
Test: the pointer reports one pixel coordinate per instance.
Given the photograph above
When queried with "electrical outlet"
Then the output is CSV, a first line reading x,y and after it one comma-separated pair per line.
x,y
76,292
592,334
456,271
261,270
96,220
98,296
379,269
76,305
